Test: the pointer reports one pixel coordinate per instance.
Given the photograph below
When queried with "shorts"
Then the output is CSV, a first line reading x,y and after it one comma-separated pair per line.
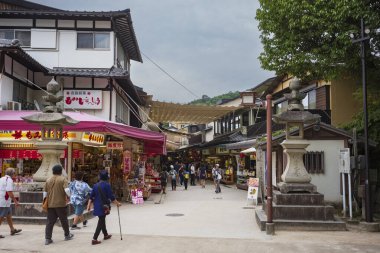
x,y
78,210
5,211
163,184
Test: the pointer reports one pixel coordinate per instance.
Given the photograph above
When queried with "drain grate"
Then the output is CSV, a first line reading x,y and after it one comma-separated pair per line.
x,y
174,214
218,198
248,207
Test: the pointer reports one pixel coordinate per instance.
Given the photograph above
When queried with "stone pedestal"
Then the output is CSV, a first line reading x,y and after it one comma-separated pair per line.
x,y
51,152
295,171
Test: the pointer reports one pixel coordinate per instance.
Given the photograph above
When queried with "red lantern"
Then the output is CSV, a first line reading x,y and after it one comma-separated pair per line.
x,y
242,155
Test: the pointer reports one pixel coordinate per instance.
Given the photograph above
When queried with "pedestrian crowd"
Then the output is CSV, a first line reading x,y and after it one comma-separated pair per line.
x,y
184,174
58,193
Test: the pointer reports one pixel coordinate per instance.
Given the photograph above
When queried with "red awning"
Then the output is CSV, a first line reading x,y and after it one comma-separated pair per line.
x,y
154,142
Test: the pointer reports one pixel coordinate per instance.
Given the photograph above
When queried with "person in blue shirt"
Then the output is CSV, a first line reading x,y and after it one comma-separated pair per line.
x,y
79,191
101,192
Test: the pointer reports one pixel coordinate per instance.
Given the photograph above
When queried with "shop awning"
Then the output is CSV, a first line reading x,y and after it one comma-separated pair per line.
x,y
241,144
154,143
248,150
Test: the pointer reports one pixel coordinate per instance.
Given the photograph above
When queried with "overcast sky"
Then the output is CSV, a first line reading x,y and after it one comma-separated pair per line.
x,y
210,46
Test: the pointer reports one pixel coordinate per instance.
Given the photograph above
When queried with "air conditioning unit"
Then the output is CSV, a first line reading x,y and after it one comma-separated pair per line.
x,y
14,106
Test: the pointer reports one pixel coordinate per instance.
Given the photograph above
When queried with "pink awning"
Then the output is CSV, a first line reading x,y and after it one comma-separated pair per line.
x,y
154,142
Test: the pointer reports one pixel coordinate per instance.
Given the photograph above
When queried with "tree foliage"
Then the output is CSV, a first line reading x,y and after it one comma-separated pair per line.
x,y
205,100
311,38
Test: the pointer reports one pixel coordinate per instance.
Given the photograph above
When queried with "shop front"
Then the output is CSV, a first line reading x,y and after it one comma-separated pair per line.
x,y
93,145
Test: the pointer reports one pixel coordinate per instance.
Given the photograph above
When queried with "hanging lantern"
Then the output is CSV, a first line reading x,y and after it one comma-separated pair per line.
x,y
242,155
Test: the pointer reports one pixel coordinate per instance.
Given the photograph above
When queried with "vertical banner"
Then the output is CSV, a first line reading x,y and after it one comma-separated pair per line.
x,y
126,162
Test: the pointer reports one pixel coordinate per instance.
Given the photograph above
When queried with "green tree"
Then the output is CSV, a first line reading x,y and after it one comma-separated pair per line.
x,y
310,39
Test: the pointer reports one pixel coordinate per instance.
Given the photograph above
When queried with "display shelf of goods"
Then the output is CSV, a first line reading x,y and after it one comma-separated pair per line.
x,y
154,182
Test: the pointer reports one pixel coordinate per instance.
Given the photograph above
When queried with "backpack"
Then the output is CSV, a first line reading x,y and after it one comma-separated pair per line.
x,y
164,176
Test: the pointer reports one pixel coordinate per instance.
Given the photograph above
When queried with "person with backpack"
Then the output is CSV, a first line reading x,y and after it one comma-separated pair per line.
x,y
217,175
186,176
202,175
164,180
173,175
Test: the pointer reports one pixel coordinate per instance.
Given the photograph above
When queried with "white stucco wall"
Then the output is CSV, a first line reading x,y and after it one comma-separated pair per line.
x,y
329,182
6,90
210,133
67,55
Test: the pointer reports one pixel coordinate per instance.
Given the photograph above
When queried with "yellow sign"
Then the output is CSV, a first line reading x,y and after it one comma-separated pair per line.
x,y
19,135
93,138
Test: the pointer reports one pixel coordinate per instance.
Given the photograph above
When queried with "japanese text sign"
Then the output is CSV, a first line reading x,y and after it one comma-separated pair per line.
x,y
83,99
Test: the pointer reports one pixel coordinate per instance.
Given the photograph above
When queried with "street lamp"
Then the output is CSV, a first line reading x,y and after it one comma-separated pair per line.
x,y
362,40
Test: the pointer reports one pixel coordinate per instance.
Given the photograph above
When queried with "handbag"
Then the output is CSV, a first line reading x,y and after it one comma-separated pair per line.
x,y
106,203
45,204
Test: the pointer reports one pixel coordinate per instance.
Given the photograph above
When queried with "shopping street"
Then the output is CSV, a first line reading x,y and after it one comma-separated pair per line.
x,y
210,223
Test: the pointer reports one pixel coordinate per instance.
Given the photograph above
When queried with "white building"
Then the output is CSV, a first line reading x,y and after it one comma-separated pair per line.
x,y
88,53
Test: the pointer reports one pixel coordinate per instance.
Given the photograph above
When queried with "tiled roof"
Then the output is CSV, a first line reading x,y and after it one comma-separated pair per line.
x,y
232,137
89,72
13,49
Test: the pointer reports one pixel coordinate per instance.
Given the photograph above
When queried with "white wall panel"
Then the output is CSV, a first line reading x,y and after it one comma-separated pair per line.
x,y
16,22
44,38
45,22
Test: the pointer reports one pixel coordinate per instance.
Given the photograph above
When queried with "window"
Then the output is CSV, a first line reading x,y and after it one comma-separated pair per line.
x,y
89,40
281,107
310,101
22,35
314,162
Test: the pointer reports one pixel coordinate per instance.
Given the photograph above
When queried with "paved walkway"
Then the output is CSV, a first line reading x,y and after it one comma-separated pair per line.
x,y
210,223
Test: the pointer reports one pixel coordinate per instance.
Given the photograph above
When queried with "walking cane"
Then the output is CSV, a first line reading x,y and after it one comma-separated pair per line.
x,y
118,214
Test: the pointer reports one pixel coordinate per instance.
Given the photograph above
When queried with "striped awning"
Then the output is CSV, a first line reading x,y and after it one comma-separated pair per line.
x,y
194,114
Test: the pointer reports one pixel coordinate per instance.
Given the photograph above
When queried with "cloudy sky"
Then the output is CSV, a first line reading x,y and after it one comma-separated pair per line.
x,y
210,46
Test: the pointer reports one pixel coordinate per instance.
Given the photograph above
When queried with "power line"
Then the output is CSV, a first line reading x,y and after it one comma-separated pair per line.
x,y
175,80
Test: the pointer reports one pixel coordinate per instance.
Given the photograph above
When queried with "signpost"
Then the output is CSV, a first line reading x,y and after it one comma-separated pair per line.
x,y
345,168
253,189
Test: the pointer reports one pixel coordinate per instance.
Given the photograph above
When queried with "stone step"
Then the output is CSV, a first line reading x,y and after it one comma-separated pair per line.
x,y
41,220
296,212
30,197
300,225
298,198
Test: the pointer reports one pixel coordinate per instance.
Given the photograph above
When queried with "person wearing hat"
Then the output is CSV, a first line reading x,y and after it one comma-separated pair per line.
x,y
101,195
57,204
173,175
6,197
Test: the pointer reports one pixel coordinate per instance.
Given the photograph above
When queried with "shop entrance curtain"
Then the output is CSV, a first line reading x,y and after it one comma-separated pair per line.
x,y
154,142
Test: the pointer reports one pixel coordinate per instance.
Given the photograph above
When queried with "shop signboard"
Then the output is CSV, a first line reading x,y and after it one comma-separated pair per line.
x,y
137,196
205,151
127,162
115,145
19,135
83,99
344,160
222,150
253,189
93,138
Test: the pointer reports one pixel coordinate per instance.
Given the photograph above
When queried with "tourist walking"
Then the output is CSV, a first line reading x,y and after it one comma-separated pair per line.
x,y
164,180
173,176
180,174
80,191
6,197
57,204
192,174
101,197
217,175
186,176
202,175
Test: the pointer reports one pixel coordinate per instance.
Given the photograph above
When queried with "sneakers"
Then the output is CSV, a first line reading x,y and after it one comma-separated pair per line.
x,y
94,242
107,237
15,231
48,241
85,223
74,227
69,237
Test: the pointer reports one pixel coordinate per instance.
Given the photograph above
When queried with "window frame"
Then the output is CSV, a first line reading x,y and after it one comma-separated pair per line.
x,y
21,30
93,41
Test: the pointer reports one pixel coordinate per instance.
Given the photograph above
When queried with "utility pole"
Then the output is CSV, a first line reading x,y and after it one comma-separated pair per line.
x,y
269,224
362,40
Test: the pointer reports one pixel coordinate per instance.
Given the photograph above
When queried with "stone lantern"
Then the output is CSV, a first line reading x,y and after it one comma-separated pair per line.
x,y
295,145
52,122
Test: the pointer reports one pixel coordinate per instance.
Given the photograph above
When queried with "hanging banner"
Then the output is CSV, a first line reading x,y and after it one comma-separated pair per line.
x,y
127,162
83,99
19,135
